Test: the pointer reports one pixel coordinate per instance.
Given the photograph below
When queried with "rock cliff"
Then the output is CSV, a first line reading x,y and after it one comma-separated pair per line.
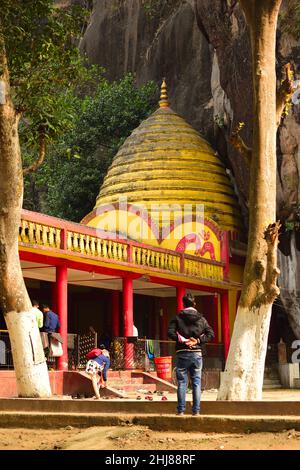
x,y
202,48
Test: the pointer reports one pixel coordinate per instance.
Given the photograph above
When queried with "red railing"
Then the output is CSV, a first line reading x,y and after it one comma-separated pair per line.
x,y
38,230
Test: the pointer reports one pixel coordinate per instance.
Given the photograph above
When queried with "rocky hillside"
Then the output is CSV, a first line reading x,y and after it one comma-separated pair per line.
x,y
202,48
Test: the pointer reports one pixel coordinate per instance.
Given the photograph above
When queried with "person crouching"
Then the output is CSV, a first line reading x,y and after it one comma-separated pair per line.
x,y
94,367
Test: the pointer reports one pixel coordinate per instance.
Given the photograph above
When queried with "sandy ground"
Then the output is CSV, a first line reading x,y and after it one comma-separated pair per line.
x,y
142,438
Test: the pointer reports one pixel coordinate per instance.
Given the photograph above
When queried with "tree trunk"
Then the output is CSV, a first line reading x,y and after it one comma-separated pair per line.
x,y
243,375
28,356
244,371
290,285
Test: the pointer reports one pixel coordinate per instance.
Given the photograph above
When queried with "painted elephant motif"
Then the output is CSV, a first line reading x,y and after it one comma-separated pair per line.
x,y
200,250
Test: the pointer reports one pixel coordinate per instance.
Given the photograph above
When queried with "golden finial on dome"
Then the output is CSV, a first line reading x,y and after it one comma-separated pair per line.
x,y
164,103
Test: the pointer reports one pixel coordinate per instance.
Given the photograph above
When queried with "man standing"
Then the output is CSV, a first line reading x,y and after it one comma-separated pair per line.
x,y
51,325
191,331
51,320
38,314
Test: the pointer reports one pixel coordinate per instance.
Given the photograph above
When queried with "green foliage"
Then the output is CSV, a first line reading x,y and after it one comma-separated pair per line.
x,y
219,120
84,118
44,62
289,226
77,163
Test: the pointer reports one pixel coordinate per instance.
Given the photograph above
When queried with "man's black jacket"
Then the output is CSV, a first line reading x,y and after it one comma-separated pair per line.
x,y
189,323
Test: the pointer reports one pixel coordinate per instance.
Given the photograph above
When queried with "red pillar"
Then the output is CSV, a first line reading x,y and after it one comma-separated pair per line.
x,y
225,322
180,292
128,320
115,314
54,297
62,311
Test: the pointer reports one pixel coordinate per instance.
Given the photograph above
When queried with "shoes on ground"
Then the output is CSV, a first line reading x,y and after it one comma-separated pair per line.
x,y
197,413
181,413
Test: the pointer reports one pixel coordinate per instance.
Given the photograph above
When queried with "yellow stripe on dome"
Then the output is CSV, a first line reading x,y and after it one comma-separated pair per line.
x,y
166,161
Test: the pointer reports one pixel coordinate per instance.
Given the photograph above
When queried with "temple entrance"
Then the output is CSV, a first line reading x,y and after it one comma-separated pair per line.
x,y
99,311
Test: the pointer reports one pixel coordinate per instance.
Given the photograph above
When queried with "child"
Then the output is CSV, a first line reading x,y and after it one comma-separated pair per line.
x,y
103,372
98,364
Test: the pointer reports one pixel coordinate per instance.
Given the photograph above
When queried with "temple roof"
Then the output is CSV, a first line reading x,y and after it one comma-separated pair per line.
x,y
166,161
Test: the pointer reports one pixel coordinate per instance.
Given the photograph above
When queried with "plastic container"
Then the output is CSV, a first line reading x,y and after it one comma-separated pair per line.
x,y
163,367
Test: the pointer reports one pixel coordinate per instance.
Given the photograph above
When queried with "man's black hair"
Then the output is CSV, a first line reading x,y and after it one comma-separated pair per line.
x,y
35,303
46,306
188,301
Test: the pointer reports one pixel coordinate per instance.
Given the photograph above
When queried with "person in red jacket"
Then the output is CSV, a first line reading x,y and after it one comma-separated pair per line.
x,y
191,331
95,366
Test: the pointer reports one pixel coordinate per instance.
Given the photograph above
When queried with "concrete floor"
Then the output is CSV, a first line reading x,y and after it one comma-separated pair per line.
x,y
279,410
279,394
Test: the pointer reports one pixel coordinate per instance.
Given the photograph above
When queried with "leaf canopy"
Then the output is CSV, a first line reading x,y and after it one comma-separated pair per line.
x,y
44,61
68,183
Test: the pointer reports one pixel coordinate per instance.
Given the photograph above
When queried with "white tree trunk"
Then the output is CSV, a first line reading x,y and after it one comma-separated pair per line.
x,y
29,360
244,371
28,355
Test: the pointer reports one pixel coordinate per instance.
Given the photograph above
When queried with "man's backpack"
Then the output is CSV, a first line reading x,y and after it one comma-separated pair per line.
x,y
94,353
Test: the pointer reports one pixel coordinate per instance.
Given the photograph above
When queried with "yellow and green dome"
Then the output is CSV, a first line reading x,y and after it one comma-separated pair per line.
x,y
166,161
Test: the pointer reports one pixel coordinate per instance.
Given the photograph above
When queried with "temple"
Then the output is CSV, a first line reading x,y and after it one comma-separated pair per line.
x,y
166,220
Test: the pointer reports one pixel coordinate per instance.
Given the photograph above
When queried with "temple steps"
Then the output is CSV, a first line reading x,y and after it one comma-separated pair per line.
x,y
271,379
133,383
133,387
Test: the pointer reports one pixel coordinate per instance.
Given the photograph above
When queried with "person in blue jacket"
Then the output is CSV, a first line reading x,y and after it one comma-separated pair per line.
x,y
51,320
51,324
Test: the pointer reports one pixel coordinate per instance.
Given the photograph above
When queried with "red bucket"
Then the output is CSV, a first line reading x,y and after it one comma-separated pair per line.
x,y
163,367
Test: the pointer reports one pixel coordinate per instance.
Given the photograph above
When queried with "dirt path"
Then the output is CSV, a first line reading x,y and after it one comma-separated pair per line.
x,y
138,438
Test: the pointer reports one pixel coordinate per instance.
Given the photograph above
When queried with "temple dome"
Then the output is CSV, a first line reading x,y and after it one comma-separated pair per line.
x,y
166,161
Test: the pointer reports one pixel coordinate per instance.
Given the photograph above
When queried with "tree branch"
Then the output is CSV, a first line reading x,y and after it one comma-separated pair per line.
x,y
284,92
41,157
272,272
237,142
232,7
264,290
